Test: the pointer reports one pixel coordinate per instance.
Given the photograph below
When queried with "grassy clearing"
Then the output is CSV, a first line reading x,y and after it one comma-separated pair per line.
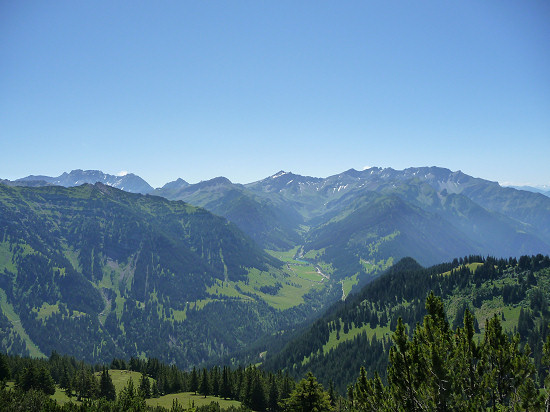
x,y
5,258
307,272
221,289
72,257
497,307
349,283
121,377
188,400
292,290
9,312
47,310
291,295
373,266
314,254
61,397
293,284
285,256
379,331
326,268
120,380
471,266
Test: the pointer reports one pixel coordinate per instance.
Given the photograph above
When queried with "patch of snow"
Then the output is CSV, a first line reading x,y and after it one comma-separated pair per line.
x,y
279,175
290,181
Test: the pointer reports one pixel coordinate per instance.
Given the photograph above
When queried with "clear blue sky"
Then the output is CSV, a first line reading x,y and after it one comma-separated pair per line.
x,y
198,89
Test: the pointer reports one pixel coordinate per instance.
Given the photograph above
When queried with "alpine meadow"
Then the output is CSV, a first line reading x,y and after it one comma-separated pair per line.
x,y
274,206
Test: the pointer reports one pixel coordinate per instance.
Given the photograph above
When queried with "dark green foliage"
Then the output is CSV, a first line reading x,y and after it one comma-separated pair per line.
x,y
5,372
401,292
194,383
106,386
37,378
144,388
308,396
63,241
204,385
441,370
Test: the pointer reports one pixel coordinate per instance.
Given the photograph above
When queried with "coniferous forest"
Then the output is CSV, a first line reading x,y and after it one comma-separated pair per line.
x,y
438,368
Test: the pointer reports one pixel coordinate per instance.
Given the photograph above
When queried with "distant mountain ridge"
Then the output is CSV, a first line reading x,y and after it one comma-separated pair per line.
x,y
286,210
545,189
128,182
271,226
99,263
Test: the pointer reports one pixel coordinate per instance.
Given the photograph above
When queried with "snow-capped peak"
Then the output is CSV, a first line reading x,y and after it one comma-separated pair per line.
x,y
281,173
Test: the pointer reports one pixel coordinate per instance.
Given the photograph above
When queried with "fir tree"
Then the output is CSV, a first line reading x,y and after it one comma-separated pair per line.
x,y
273,403
144,386
106,386
5,373
155,390
204,387
308,396
225,390
194,384
258,400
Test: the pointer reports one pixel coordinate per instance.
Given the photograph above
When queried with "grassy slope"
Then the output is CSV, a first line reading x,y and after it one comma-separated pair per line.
x,y
120,380
189,399
509,313
9,312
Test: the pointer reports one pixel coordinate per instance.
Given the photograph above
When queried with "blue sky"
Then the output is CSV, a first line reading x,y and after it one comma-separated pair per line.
x,y
198,89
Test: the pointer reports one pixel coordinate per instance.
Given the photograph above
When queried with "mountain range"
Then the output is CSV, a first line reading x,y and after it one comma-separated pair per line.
x,y
359,218
128,182
431,214
545,189
192,272
99,272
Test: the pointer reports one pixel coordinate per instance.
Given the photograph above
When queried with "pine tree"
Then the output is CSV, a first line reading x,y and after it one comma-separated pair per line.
x,y
308,396
402,376
144,386
273,403
36,378
129,400
258,400
215,380
46,382
225,391
204,387
155,390
546,362
5,373
194,384
331,393
106,386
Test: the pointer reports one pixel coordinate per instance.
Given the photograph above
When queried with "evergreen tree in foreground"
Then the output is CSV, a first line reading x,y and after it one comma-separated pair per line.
x,y
144,386
5,372
308,396
106,386
442,370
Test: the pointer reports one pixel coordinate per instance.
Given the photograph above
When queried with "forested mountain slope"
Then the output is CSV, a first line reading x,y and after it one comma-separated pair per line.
x,y
271,226
457,214
96,272
357,332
